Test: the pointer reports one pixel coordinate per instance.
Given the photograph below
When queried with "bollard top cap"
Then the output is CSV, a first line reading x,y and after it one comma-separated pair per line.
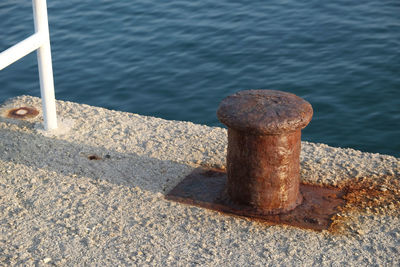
x,y
265,112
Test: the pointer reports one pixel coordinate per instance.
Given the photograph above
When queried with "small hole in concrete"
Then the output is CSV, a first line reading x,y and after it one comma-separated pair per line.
x,y
94,157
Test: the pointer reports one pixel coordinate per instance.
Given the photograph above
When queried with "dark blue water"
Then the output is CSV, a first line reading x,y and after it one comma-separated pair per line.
x,y
179,59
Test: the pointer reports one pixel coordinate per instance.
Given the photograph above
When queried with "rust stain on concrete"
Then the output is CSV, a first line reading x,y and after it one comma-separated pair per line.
x,y
322,207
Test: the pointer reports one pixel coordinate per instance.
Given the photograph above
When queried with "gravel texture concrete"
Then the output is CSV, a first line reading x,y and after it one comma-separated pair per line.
x,y
92,193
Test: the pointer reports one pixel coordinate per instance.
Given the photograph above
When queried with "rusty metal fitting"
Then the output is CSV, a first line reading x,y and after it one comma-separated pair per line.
x,y
264,141
22,113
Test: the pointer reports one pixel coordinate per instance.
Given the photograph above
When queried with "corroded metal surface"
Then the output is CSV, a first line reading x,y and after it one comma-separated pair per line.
x,y
22,113
262,112
206,188
264,139
263,171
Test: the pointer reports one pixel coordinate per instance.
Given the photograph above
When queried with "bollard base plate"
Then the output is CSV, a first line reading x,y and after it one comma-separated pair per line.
x,y
206,188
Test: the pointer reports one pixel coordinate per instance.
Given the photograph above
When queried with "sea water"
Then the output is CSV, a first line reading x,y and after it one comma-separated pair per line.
x,y
178,59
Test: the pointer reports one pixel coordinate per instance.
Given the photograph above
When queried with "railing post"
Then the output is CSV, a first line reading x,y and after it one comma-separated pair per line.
x,y
45,65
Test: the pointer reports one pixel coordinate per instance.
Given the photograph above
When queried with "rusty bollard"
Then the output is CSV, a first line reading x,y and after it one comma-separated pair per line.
x,y
264,140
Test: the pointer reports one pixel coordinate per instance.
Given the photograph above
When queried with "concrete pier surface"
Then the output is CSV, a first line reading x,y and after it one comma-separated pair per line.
x,y
93,194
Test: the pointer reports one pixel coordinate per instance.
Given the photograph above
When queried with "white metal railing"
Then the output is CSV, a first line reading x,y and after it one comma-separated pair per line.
x,y
39,41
